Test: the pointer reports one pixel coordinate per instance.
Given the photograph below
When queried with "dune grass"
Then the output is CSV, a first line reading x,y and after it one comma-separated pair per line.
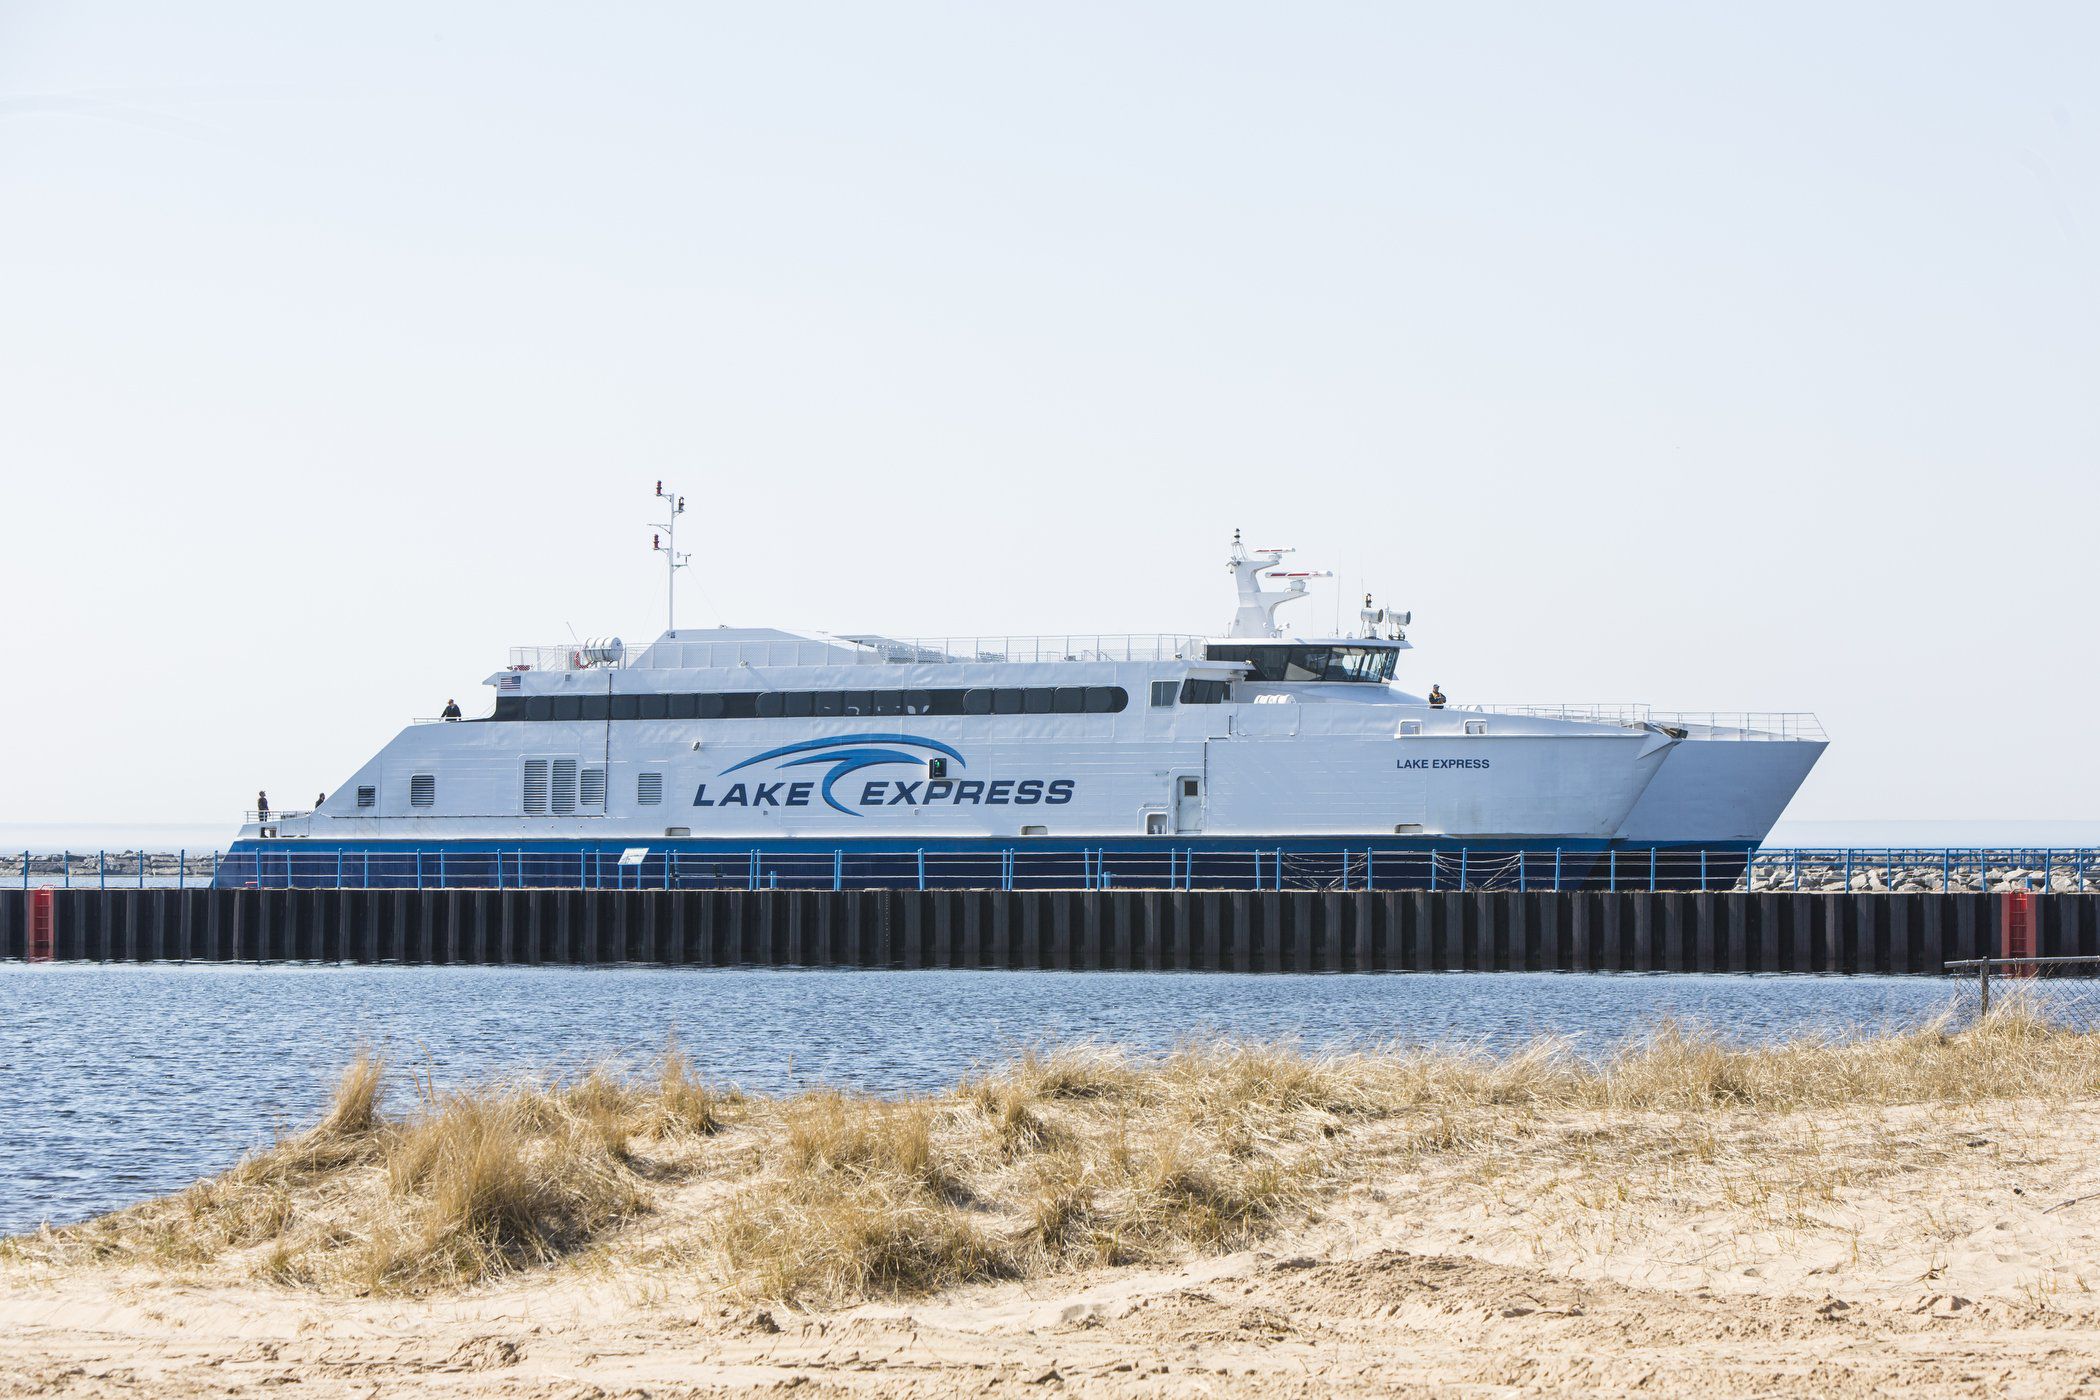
x,y
1064,1159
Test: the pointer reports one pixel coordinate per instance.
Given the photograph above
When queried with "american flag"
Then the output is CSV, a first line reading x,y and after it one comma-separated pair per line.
x,y
510,680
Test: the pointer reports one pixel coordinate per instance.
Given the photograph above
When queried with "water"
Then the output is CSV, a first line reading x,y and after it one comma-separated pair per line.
x,y
122,1082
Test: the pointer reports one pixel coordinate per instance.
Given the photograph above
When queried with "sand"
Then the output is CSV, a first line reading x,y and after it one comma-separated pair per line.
x,y
1906,1251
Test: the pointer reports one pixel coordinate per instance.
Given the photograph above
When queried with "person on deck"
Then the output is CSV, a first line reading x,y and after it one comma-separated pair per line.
x,y
451,710
1436,696
262,806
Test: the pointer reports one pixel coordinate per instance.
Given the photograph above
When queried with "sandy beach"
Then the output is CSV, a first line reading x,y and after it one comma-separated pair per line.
x,y
1914,1217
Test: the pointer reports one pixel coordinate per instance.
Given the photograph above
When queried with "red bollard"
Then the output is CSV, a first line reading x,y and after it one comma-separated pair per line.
x,y
43,924
2016,929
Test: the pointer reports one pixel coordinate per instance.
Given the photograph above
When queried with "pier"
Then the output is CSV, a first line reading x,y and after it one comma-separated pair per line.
x,y
1078,930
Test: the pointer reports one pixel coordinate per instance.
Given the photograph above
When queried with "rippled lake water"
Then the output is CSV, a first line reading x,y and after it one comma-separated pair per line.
x,y
122,1082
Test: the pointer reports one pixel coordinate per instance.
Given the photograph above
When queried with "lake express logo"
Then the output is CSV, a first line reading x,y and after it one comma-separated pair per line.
x,y
849,753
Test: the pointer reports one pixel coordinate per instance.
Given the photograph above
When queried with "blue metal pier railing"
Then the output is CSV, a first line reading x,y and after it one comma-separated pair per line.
x,y
1025,867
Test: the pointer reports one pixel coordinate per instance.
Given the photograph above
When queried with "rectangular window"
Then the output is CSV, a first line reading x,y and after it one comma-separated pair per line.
x,y
682,707
654,706
1070,700
1038,700
567,706
422,790
563,801
535,796
592,790
1202,692
1189,787
1163,693
648,789
368,797
625,706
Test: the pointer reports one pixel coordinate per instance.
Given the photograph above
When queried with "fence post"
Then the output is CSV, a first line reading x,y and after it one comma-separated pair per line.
x,y
1556,870
1612,878
1983,988
922,867
1279,867
102,870
182,866
838,870
1702,870
1520,872
1462,854
419,867
1651,870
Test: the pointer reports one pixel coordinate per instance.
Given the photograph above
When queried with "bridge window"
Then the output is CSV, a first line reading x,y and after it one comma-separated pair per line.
x,y
1204,692
1305,663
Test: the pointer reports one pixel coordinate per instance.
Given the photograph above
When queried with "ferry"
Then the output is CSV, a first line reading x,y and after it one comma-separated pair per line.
x,y
1256,757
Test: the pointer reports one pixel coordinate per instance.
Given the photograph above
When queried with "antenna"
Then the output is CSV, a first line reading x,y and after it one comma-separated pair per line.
x,y
665,542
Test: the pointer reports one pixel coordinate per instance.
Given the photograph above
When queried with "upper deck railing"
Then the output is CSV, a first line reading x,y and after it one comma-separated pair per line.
x,y
1725,724
859,651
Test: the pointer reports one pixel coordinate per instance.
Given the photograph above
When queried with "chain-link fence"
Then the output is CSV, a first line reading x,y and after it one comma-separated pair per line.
x,y
2061,991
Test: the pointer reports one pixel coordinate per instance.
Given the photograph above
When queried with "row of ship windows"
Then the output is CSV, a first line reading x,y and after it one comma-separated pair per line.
x,y
797,704
551,787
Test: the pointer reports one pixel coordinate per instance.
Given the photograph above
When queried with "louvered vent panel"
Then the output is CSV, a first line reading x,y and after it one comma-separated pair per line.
x,y
649,789
536,787
368,797
564,786
593,790
422,790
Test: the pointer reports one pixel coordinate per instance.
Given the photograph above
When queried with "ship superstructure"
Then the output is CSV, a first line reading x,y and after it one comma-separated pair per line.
x,y
706,748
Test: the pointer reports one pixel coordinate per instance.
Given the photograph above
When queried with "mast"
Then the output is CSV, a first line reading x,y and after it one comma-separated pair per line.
x,y
666,544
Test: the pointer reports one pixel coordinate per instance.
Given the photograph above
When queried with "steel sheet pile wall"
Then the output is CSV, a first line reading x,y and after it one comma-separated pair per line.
x,y
1205,931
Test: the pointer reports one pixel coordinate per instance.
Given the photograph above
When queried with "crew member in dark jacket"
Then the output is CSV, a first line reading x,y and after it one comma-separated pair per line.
x,y
451,710
1436,696
262,806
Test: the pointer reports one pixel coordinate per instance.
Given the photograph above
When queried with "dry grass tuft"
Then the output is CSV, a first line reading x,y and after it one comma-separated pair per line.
x,y
1059,1160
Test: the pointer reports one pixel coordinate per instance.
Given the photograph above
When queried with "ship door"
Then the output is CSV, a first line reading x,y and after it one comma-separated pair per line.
x,y
1188,802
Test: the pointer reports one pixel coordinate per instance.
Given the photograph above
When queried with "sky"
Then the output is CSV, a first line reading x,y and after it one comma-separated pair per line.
x,y
1712,357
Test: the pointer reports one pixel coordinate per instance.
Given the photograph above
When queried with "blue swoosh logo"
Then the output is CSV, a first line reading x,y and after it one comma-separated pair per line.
x,y
843,752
